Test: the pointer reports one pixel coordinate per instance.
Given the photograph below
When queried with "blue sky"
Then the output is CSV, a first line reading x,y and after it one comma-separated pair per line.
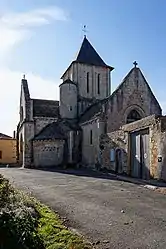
x,y
40,38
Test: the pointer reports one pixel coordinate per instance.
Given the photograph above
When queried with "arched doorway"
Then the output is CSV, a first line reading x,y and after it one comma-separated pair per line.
x,y
133,116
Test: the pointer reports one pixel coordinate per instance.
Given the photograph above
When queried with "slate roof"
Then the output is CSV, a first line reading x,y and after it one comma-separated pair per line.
x,y
56,130
90,100
91,111
4,136
69,125
45,108
51,131
88,55
68,81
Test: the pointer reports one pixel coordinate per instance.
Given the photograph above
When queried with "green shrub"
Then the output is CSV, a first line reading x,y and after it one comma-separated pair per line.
x,y
18,227
6,191
27,224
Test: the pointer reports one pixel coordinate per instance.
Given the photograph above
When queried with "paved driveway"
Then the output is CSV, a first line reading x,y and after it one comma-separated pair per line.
x,y
115,213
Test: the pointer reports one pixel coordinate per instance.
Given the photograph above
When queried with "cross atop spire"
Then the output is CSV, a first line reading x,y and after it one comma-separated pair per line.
x,y
135,64
84,30
23,76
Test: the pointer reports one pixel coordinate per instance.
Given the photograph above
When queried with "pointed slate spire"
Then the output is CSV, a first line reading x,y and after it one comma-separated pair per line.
x,y
88,55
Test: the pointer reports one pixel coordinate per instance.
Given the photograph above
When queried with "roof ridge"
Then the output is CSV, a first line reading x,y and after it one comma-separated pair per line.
x,y
2,135
90,111
60,132
45,99
149,88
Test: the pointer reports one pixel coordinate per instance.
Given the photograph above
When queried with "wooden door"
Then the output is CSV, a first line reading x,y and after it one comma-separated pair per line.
x,y
145,154
135,155
139,151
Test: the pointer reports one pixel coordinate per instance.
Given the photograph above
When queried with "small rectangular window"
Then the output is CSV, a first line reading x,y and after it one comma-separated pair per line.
x,y
98,83
91,137
87,82
70,108
0,154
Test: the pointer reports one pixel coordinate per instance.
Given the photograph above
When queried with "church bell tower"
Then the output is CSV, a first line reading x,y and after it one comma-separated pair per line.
x,y
90,74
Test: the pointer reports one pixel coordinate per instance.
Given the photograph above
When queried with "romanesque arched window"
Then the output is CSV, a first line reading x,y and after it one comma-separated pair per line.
x,y
133,116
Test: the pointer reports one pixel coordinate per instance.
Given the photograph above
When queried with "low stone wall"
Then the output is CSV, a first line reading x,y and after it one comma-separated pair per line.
x,y
162,150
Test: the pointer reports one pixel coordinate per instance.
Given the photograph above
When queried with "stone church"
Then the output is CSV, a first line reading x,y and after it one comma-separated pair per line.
x,y
89,125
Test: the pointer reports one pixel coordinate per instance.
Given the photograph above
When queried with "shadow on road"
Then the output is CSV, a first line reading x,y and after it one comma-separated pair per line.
x,y
104,175
88,173
100,175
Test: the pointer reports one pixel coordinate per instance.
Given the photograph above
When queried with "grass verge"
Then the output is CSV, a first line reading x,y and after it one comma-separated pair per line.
x,y
25,223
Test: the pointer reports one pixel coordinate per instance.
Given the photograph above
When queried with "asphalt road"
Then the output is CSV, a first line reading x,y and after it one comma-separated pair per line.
x,y
115,213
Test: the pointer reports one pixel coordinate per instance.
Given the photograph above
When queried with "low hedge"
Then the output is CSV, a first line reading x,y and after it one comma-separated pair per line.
x,y
25,223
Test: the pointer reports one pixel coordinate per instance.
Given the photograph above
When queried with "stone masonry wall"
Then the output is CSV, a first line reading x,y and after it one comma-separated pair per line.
x,y
80,74
133,93
120,140
162,150
48,153
153,123
77,72
113,141
41,122
29,134
21,141
68,101
25,134
90,150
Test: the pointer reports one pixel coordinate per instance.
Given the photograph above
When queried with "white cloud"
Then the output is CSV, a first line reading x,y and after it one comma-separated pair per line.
x,y
33,18
10,83
15,28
